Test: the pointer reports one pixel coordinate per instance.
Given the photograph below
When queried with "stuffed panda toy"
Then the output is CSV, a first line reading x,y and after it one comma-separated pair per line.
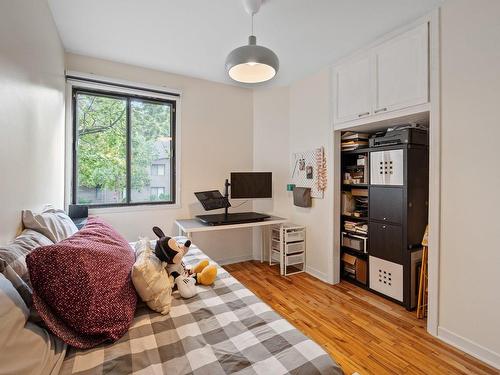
x,y
171,252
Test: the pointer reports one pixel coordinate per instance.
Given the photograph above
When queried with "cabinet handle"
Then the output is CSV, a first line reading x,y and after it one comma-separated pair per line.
x,y
383,226
381,110
363,114
385,218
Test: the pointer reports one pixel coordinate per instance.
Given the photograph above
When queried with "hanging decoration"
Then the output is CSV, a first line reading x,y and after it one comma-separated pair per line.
x,y
308,170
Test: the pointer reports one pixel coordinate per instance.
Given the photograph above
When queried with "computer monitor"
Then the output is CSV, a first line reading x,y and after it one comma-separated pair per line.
x,y
251,185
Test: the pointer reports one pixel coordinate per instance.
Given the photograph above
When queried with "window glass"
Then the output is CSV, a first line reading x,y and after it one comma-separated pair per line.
x,y
101,149
123,151
151,150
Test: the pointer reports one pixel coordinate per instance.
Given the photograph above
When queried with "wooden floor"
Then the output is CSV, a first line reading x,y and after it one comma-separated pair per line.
x,y
362,331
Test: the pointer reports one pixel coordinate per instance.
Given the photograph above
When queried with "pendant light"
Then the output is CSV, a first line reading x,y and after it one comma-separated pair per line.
x,y
252,63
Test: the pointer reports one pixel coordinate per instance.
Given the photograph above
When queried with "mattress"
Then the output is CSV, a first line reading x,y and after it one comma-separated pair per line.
x,y
224,329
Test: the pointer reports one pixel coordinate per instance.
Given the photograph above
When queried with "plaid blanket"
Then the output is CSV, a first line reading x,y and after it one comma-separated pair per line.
x,y
224,329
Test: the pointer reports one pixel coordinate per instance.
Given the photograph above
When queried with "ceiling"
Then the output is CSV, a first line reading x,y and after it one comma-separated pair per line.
x,y
193,37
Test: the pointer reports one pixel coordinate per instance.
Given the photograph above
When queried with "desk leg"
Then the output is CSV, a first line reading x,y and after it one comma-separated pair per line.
x,y
262,243
270,244
181,233
282,250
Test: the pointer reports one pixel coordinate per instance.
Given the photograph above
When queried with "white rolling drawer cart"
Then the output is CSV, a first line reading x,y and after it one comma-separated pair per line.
x,y
288,248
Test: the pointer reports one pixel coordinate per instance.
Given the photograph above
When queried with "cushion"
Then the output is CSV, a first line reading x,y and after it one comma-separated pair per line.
x,y
53,224
25,348
13,260
82,288
150,278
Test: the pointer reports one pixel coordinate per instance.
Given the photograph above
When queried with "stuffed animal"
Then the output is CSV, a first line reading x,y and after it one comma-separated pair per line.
x,y
168,250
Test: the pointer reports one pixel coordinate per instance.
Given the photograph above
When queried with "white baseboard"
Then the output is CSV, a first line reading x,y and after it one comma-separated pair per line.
x,y
238,259
469,347
317,274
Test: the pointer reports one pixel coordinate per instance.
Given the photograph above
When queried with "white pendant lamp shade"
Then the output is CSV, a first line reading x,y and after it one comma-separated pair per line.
x,y
252,63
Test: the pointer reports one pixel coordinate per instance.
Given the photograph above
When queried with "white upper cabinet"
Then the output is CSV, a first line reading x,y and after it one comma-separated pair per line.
x,y
353,86
402,72
391,76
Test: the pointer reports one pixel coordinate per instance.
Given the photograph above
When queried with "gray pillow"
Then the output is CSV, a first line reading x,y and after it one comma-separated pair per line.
x,y
25,348
53,224
13,260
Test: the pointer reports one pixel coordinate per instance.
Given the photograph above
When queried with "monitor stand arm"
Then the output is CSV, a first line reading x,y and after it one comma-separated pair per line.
x,y
226,195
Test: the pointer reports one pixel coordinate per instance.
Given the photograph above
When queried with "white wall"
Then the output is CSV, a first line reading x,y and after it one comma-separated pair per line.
x,y
271,150
294,119
216,127
310,127
31,112
469,299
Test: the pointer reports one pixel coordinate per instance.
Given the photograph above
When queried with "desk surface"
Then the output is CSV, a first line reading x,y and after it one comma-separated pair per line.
x,y
194,225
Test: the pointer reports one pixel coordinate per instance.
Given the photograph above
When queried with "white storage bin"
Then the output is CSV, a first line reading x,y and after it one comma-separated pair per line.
x,y
275,245
386,277
295,247
288,242
354,242
275,256
294,236
294,259
387,167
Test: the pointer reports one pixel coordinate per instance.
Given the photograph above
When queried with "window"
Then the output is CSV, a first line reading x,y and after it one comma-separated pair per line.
x,y
157,192
123,149
158,170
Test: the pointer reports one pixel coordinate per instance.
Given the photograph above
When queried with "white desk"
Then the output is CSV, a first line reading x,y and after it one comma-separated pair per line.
x,y
189,226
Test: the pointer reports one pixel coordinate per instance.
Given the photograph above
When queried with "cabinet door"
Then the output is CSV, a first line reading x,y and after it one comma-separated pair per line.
x,y
402,73
386,241
386,204
353,98
387,167
386,278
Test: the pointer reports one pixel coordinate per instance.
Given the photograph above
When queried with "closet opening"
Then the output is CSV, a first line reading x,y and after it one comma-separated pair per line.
x,y
381,208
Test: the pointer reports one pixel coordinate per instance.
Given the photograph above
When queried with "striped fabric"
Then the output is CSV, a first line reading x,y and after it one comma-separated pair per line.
x,y
13,260
224,329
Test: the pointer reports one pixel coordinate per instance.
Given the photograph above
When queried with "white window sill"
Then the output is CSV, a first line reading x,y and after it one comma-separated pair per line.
x,y
125,209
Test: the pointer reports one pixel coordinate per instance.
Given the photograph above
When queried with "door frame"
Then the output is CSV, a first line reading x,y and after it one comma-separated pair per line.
x,y
434,112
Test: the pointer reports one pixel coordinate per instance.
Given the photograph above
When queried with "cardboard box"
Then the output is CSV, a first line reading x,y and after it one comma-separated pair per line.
x,y
361,271
349,264
352,263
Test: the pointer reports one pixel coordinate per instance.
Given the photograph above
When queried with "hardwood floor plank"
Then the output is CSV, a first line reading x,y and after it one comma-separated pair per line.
x,y
364,332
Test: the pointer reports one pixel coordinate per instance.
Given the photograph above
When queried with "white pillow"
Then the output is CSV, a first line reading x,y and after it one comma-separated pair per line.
x,y
150,278
53,224
25,348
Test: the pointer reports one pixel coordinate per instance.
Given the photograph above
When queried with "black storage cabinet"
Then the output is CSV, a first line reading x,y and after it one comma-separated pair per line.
x,y
399,212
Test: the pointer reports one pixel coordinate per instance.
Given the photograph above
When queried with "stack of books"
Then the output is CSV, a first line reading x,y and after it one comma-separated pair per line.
x,y
353,141
350,226
362,229
355,174
361,207
355,228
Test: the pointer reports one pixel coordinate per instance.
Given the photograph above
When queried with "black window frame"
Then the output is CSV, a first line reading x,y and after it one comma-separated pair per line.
x,y
128,97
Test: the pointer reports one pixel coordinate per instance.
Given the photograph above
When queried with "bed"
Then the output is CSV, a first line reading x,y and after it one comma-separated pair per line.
x,y
224,329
